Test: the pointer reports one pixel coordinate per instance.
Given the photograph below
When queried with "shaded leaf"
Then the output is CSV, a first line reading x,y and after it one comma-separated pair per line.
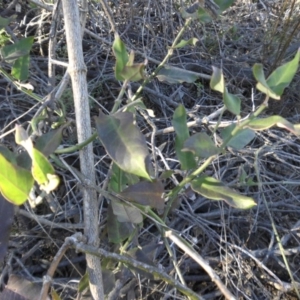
x,y
183,43
179,123
213,189
232,103
174,76
109,281
217,82
117,231
123,142
6,217
240,140
8,155
20,288
48,142
266,123
20,69
21,48
126,213
145,193
223,4
15,182
3,22
201,145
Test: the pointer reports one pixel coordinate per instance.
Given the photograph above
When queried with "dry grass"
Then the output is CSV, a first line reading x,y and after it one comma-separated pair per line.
x,y
239,245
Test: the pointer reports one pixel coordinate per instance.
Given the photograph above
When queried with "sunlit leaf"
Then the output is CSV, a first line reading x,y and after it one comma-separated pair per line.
x,y
232,102
83,283
183,43
145,193
179,123
15,182
41,169
174,76
240,140
217,82
266,123
262,84
123,142
134,72
283,75
121,55
54,295
201,145
213,189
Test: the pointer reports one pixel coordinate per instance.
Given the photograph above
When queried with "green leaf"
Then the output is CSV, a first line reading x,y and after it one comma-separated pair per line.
x,y
232,103
41,169
54,295
8,155
123,142
20,69
15,182
194,12
201,145
145,193
10,53
3,22
134,72
223,4
240,140
179,123
217,82
183,43
126,213
121,55
48,142
117,232
283,75
266,123
262,84
176,75
83,283
213,189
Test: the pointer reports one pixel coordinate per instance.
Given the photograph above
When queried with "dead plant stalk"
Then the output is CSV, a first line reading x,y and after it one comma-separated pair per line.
x,y
77,71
